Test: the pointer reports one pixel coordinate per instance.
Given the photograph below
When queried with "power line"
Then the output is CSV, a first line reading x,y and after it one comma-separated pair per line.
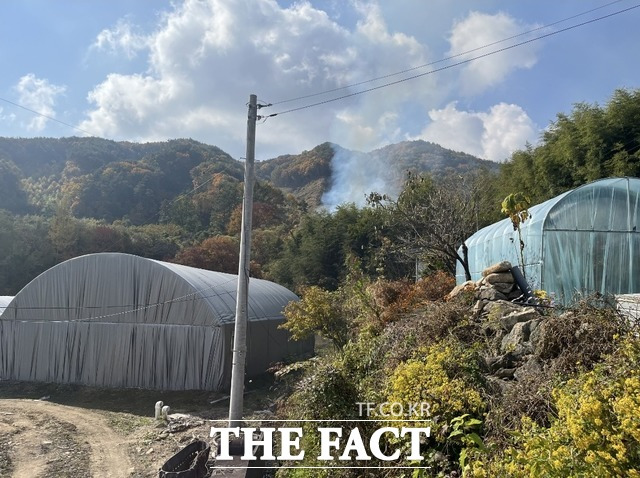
x,y
462,62
46,116
390,75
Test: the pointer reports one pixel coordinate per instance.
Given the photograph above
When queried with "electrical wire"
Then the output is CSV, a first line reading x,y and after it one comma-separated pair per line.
x,y
462,62
352,85
390,75
47,116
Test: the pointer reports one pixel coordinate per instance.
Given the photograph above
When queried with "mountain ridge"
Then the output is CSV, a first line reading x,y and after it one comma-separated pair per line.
x,y
111,180
316,165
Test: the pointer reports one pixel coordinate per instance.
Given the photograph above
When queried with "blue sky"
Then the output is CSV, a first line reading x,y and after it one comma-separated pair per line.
x,y
146,71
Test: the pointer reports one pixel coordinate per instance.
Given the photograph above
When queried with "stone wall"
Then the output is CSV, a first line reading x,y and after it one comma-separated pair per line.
x,y
513,329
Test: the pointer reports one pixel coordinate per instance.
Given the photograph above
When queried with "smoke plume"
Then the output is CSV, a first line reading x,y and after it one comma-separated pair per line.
x,y
355,175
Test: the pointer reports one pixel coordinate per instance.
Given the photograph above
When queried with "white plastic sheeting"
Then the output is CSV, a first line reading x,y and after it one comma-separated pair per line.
x,y
629,306
4,302
583,241
119,320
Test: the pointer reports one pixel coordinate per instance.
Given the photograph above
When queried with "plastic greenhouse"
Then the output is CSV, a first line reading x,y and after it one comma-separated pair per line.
x,y
118,320
583,241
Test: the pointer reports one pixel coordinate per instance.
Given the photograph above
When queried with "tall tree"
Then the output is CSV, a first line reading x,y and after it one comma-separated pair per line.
x,y
516,206
432,218
591,142
12,195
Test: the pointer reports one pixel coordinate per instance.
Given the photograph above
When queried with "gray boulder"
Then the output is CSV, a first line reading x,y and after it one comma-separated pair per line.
x,y
505,373
504,266
499,277
499,308
503,287
531,366
525,314
517,339
461,288
489,293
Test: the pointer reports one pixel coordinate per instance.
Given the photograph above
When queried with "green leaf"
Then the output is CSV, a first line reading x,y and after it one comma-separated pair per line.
x,y
475,438
473,422
463,457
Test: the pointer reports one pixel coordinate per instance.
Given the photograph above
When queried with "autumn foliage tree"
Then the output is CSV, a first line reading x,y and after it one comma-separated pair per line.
x,y
218,253
319,311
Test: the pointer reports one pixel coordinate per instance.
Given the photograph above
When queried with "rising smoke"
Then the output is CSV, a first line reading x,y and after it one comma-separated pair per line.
x,y
354,175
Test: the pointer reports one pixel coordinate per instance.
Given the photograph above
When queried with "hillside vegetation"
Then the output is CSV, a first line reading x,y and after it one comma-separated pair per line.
x,y
181,200
309,174
177,200
511,391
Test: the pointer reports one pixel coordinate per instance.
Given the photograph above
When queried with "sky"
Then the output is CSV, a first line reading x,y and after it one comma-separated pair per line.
x,y
158,70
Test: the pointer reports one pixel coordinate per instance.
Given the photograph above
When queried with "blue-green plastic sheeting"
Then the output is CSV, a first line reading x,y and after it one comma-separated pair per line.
x,y
583,241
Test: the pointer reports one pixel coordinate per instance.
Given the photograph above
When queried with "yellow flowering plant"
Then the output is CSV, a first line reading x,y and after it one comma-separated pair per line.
x,y
596,431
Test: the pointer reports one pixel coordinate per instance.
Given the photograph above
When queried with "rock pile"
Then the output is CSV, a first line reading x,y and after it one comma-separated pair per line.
x,y
497,283
512,328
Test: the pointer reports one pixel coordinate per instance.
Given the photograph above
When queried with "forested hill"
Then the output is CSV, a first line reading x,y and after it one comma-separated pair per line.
x,y
181,200
111,180
310,174
101,178
177,200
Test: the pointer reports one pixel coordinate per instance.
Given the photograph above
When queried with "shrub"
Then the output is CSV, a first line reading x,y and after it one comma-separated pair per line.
x,y
435,286
319,311
577,339
596,432
529,396
362,362
399,297
445,375
327,392
426,326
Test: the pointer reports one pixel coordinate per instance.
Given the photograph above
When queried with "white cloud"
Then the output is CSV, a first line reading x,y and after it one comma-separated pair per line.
x,y
480,29
120,39
493,135
506,129
8,118
206,57
38,95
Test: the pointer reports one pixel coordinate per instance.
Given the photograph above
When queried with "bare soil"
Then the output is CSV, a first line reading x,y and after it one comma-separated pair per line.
x,y
60,431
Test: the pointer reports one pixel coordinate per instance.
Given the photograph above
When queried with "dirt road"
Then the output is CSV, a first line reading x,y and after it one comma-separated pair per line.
x,y
88,432
39,439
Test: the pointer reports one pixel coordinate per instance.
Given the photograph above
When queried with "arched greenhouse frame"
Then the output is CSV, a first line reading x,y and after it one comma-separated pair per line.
x,y
583,241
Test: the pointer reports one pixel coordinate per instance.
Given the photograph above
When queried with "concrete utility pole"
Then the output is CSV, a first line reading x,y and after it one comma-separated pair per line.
x,y
240,331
